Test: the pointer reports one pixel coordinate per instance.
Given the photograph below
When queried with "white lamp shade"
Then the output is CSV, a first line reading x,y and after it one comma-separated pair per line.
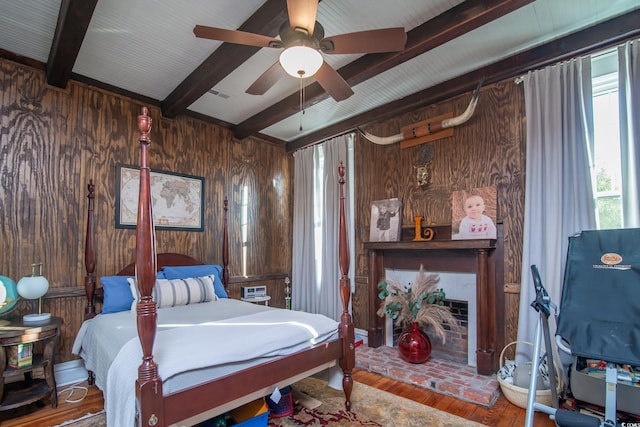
x,y
33,287
301,61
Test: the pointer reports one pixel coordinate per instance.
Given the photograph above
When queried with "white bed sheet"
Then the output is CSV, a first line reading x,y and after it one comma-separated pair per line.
x,y
110,348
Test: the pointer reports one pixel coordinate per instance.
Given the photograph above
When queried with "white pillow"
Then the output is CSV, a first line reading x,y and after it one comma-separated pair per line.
x,y
171,293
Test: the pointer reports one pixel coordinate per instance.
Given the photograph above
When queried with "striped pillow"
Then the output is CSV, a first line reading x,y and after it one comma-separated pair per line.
x,y
171,293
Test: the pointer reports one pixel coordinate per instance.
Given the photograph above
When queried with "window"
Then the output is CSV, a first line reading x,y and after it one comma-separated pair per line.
x,y
607,180
244,226
318,206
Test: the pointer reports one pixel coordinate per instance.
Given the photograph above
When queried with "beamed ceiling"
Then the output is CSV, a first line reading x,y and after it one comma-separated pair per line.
x,y
147,50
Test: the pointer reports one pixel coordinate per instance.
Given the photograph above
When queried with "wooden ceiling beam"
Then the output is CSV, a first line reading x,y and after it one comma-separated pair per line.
x,y
445,27
590,40
73,21
266,21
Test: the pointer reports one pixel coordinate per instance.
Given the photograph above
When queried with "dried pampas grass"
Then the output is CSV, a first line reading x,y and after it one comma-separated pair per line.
x,y
421,302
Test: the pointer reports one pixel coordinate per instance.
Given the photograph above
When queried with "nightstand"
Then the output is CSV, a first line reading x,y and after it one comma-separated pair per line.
x,y
258,300
44,338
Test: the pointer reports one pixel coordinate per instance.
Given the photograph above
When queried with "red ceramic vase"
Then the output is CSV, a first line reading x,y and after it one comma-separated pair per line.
x,y
414,345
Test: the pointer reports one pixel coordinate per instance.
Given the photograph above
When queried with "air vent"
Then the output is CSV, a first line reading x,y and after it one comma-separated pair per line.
x,y
220,94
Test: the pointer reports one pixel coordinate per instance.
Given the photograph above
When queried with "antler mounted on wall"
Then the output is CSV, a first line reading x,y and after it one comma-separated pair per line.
x,y
428,128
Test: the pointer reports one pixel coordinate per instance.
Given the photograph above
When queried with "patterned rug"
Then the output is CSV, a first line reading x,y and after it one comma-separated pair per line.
x,y
90,420
370,407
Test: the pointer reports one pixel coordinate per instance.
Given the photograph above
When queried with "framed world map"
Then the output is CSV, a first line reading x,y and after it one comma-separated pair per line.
x,y
177,199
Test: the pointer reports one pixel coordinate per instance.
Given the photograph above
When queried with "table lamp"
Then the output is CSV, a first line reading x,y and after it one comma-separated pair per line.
x,y
34,287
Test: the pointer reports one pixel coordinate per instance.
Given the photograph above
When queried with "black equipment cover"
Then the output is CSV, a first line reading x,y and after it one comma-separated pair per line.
x,y
600,307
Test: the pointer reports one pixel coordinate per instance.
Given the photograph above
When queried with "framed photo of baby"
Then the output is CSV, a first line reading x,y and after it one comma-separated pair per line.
x,y
386,220
473,214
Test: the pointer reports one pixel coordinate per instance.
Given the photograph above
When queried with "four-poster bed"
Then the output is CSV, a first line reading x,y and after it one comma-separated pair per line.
x,y
205,381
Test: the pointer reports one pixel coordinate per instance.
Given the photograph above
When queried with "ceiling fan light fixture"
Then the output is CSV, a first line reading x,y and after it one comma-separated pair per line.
x,y
301,61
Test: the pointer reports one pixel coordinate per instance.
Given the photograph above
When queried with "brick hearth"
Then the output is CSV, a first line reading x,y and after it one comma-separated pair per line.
x,y
442,376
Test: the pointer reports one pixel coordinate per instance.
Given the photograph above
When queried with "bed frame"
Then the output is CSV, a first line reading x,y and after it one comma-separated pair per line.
x,y
188,406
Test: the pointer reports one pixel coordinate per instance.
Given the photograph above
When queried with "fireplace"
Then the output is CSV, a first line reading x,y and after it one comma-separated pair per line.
x,y
482,258
460,289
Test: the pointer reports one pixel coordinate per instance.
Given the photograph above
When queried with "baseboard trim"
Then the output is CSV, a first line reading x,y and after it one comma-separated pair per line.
x,y
70,372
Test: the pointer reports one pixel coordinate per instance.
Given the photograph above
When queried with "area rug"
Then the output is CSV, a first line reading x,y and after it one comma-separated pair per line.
x,y
370,407
89,420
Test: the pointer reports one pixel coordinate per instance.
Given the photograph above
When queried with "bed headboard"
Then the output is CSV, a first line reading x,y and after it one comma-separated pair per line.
x,y
164,259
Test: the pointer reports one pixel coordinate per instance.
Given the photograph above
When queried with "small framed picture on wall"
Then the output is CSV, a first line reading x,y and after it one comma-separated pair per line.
x,y
386,220
474,214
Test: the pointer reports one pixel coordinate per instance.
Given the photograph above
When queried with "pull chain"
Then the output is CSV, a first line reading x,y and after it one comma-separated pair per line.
x,y
301,102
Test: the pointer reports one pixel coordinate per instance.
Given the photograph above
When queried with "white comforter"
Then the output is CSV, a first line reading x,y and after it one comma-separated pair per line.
x,y
231,332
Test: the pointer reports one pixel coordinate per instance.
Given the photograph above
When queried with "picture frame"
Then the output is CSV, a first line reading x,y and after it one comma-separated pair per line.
x,y
386,220
178,199
473,213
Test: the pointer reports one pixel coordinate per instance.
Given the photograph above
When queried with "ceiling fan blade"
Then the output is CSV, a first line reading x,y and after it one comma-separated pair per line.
x,y
234,36
302,14
371,41
332,82
266,80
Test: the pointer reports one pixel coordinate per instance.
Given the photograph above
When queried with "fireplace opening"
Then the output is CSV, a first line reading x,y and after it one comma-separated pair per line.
x,y
460,290
456,346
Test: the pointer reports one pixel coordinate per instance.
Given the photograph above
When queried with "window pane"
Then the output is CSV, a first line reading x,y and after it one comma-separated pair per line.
x,y
610,212
606,140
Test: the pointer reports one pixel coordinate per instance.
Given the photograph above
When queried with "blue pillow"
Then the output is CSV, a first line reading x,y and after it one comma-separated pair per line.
x,y
117,294
187,271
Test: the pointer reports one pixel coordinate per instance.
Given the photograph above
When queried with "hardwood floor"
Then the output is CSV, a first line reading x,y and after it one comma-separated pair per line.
x,y
502,414
44,415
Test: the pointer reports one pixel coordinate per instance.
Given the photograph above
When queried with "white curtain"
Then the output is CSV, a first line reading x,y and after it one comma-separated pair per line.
x,y
315,265
629,100
558,191
303,269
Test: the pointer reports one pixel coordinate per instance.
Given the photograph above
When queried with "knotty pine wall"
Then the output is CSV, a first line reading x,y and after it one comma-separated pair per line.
x,y
488,150
53,141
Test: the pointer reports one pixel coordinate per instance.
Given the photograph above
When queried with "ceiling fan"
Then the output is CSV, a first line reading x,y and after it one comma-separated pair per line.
x,y
303,41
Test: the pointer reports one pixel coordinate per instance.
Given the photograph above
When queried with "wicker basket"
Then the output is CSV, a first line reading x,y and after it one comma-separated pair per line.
x,y
284,407
518,395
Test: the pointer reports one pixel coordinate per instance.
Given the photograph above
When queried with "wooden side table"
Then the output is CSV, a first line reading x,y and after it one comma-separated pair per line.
x,y
28,389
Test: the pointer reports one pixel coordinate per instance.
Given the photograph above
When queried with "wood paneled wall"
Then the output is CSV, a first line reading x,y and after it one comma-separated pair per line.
x,y
53,141
488,150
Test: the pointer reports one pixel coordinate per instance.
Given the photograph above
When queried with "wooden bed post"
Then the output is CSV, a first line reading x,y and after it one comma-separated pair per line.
x,y
148,385
346,331
90,257
153,408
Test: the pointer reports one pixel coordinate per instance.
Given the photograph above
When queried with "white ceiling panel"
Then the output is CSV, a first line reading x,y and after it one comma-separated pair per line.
x,y
27,27
148,48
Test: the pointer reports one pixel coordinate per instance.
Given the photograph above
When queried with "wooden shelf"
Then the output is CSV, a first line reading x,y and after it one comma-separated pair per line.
x,y
409,245
22,393
18,385
38,362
